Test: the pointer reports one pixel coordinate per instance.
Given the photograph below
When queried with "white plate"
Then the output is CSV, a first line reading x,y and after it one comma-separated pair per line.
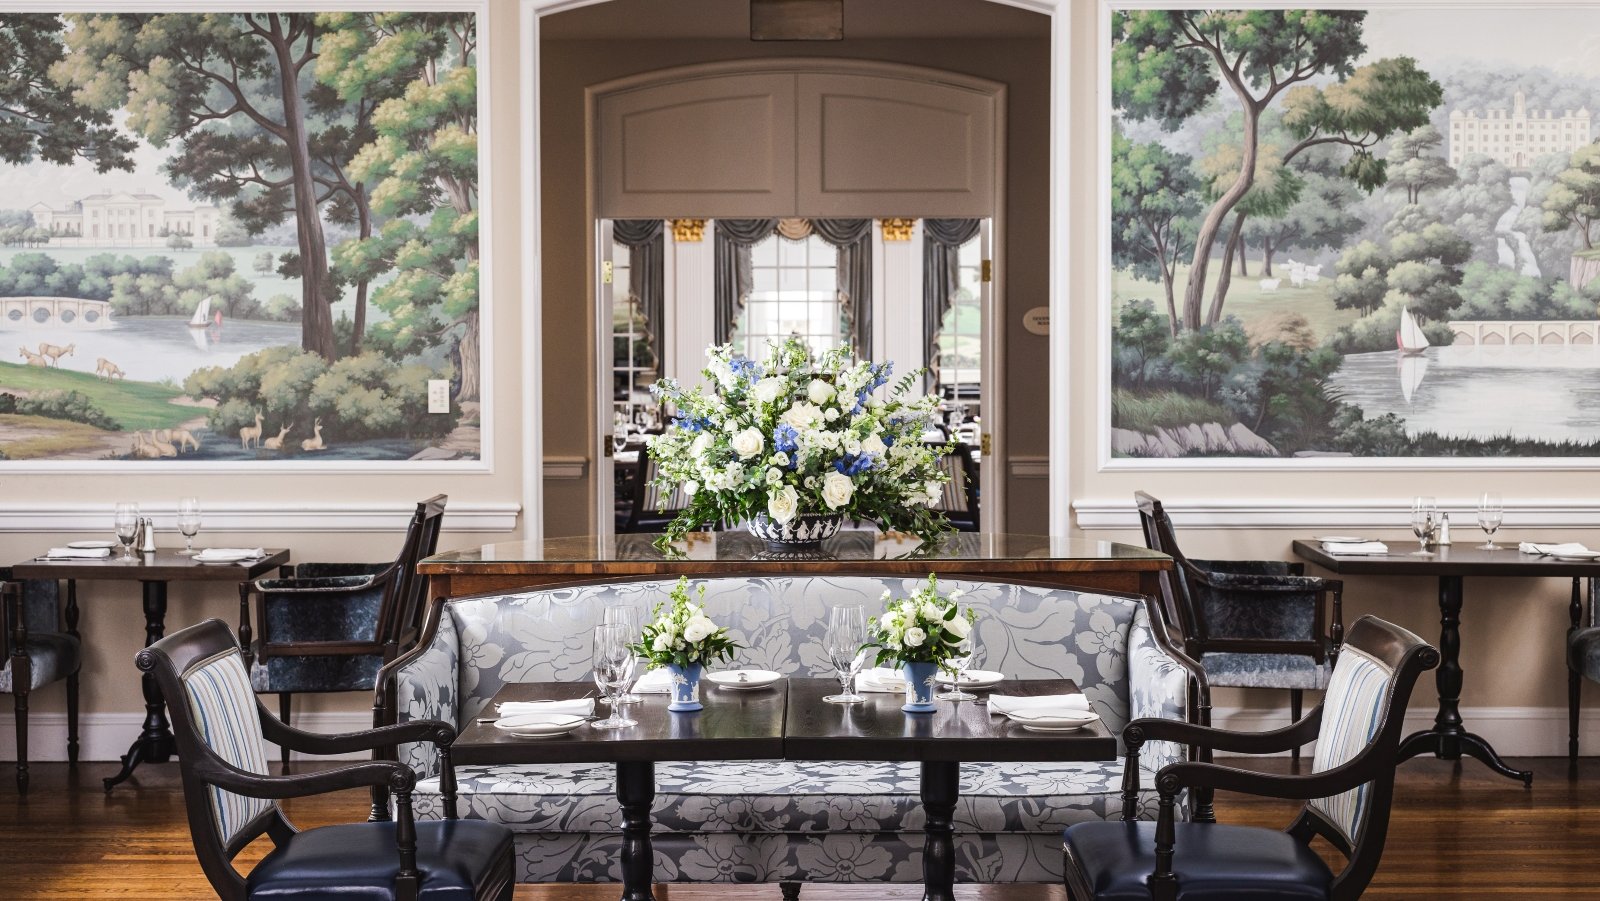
x,y
235,557
1339,539
1032,728
91,544
1592,555
539,725
1055,722
743,679
974,678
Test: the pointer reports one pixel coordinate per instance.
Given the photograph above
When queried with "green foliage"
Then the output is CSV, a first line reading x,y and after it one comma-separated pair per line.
x,y
1139,338
680,633
1322,215
41,274
1377,330
1164,409
1377,100
232,233
40,118
1207,354
1381,436
1573,202
1494,292
1154,200
179,242
263,263
1415,164
73,406
1282,392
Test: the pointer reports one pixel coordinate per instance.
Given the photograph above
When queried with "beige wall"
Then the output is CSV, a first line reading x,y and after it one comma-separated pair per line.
x,y
567,67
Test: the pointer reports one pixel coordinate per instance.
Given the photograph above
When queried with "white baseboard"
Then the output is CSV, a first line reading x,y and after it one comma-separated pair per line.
x,y
1328,514
262,516
1513,731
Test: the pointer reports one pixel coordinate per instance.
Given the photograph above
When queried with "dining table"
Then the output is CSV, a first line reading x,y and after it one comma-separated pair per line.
x,y
1448,738
153,571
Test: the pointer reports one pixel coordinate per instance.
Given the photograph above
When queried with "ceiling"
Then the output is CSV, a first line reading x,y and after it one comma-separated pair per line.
x,y
730,19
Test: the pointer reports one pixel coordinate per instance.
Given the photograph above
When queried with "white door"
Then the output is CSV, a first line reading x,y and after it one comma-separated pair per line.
x,y
991,470
604,381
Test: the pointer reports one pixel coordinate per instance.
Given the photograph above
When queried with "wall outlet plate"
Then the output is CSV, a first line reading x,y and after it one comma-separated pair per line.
x,y
438,395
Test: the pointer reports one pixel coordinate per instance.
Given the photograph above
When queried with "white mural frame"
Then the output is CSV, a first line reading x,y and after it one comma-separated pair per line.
x,y
486,205
1103,269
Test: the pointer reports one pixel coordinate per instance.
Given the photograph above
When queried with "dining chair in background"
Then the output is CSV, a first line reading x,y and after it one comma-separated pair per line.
x,y
38,652
1583,656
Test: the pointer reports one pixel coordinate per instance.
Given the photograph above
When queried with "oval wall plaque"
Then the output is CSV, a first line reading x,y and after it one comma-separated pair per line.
x,y
1037,320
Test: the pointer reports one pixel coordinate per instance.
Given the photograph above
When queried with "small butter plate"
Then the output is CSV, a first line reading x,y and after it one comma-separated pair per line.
x,y
539,725
977,679
1576,557
744,679
1341,539
89,545
1055,722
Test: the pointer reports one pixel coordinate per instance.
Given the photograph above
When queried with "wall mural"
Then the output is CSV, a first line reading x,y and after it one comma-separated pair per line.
x,y
239,236
1354,233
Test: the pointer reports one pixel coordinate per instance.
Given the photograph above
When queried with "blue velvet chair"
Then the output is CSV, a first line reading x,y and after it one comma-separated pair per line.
x,y
1583,657
38,651
1250,623
230,800
1347,795
326,627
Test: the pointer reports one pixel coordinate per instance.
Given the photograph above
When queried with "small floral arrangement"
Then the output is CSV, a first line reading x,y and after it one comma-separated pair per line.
x,y
923,628
796,435
682,634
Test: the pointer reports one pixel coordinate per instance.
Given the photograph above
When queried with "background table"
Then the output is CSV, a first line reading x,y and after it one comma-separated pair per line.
x,y
1448,739
957,732
155,743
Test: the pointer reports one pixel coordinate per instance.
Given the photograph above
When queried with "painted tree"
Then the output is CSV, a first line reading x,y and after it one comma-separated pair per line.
x,y
1153,202
228,86
40,119
1273,190
1573,202
1415,164
423,169
1170,64
1322,216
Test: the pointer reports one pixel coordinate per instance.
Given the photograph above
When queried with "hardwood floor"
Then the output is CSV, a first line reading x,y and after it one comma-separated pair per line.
x,y
1457,833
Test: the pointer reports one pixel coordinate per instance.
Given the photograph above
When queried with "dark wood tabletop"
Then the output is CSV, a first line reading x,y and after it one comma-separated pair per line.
x,y
165,565
1463,558
877,729
735,725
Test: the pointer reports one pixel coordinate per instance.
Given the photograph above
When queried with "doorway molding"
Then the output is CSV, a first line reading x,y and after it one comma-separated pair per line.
x,y
531,12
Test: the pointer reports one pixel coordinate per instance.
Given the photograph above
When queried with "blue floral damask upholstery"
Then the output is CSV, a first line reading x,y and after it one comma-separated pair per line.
x,y
775,820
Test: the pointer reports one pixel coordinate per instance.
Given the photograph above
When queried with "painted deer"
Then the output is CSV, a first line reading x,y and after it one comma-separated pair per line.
x,y
314,443
277,443
142,448
153,445
33,358
110,370
249,434
55,352
184,439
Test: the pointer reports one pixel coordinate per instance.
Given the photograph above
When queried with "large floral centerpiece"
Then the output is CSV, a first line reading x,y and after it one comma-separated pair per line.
x,y
919,634
683,639
795,442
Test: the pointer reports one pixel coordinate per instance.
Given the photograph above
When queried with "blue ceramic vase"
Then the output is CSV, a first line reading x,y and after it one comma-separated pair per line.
x,y
685,687
919,686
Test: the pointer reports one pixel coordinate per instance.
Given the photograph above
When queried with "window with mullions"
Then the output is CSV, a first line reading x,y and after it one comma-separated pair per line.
x,y
796,292
961,332
633,361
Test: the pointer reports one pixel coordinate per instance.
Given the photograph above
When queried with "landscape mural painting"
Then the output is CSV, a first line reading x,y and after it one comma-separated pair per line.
x,y
239,236
1354,233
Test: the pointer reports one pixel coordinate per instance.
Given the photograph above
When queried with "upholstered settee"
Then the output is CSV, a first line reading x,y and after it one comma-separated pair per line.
x,y
770,821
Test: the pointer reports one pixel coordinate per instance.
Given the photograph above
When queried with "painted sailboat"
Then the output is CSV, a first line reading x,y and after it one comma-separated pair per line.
x,y
202,314
1410,337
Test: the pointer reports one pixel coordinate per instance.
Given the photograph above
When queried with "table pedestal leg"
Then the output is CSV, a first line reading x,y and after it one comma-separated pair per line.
x,y
941,786
1449,739
155,744
636,789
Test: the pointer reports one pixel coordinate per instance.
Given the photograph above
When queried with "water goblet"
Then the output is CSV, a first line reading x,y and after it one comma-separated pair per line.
x,y
613,670
966,654
1424,516
626,616
189,523
127,524
847,632
1491,512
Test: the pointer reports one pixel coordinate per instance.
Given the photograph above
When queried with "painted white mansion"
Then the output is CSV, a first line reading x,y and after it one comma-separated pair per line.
x,y
125,220
1516,137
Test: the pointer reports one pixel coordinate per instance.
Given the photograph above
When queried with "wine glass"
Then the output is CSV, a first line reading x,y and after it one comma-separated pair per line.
x,y
189,522
966,654
847,632
127,523
1424,514
626,616
1491,512
613,670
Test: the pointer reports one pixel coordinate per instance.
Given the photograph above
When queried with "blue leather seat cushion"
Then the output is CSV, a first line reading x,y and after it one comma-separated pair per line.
x,y
358,861
1583,652
1213,862
307,673
1227,669
51,656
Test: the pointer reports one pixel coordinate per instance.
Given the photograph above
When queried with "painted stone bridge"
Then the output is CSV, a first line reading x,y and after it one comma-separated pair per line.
x,y
17,313
1552,333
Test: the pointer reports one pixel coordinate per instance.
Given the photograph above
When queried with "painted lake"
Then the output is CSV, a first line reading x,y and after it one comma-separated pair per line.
x,y
153,348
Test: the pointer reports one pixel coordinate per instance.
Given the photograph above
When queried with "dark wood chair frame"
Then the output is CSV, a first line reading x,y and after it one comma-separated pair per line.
x,y
1407,655
22,675
1177,598
172,657
1581,619
399,614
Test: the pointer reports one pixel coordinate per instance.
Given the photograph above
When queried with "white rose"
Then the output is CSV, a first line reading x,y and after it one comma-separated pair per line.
x,y
837,489
769,389
811,481
783,504
690,487
801,415
747,443
852,446
915,637
722,372
930,610
885,595
959,627
661,643
934,490
886,621
774,476
698,629
779,459
819,391
831,414
702,444
874,445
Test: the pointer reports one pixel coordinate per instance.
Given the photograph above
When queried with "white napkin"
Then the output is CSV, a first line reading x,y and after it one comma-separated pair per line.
x,y
656,682
880,678
77,553
1571,547
214,553
579,707
1355,547
1038,705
